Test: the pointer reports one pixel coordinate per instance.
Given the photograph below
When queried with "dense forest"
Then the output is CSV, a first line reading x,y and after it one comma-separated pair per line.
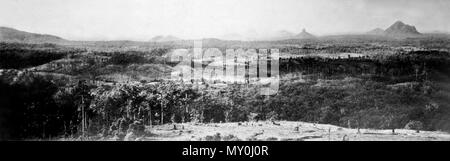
x,y
408,66
19,56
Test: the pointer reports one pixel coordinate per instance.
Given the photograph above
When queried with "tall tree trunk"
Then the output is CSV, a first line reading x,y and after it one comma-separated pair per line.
x,y
150,114
83,119
162,114
43,130
186,112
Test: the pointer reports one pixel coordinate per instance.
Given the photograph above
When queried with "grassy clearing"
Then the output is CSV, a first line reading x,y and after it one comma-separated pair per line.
x,y
270,131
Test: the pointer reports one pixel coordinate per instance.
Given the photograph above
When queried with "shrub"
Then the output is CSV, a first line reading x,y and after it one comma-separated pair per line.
x,y
272,116
414,125
252,116
230,138
271,139
215,137
137,127
328,115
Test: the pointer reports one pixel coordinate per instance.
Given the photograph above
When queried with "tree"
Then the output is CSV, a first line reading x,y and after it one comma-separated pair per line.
x,y
150,100
414,125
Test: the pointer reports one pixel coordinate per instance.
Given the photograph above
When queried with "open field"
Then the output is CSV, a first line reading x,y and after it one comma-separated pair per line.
x,y
268,131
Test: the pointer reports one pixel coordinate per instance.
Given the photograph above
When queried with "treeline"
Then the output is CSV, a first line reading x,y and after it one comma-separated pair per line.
x,y
135,57
32,106
36,108
19,56
412,66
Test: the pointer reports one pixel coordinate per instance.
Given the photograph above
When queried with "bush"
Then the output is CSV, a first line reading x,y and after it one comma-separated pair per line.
x,y
215,137
272,116
328,115
271,139
252,116
137,127
414,125
230,138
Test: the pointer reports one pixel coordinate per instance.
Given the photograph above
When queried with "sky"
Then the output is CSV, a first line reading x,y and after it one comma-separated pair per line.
x,y
143,19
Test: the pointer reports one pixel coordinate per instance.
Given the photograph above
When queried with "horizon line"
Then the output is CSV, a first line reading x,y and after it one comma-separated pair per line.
x,y
99,39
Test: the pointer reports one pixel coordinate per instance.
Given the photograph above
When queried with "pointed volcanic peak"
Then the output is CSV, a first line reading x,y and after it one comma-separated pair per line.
x,y
400,29
377,31
12,35
167,38
304,35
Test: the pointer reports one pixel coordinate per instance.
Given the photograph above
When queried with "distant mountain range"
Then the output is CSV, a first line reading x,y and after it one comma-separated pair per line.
x,y
286,35
274,36
13,35
398,29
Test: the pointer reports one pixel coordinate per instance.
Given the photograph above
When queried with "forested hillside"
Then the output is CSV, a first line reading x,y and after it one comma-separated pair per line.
x,y
404,90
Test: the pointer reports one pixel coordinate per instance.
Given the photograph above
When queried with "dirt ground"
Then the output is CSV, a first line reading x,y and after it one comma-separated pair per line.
x,y
281,131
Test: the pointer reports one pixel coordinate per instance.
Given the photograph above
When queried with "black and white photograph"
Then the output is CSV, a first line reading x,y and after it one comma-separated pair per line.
x,y
224,70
